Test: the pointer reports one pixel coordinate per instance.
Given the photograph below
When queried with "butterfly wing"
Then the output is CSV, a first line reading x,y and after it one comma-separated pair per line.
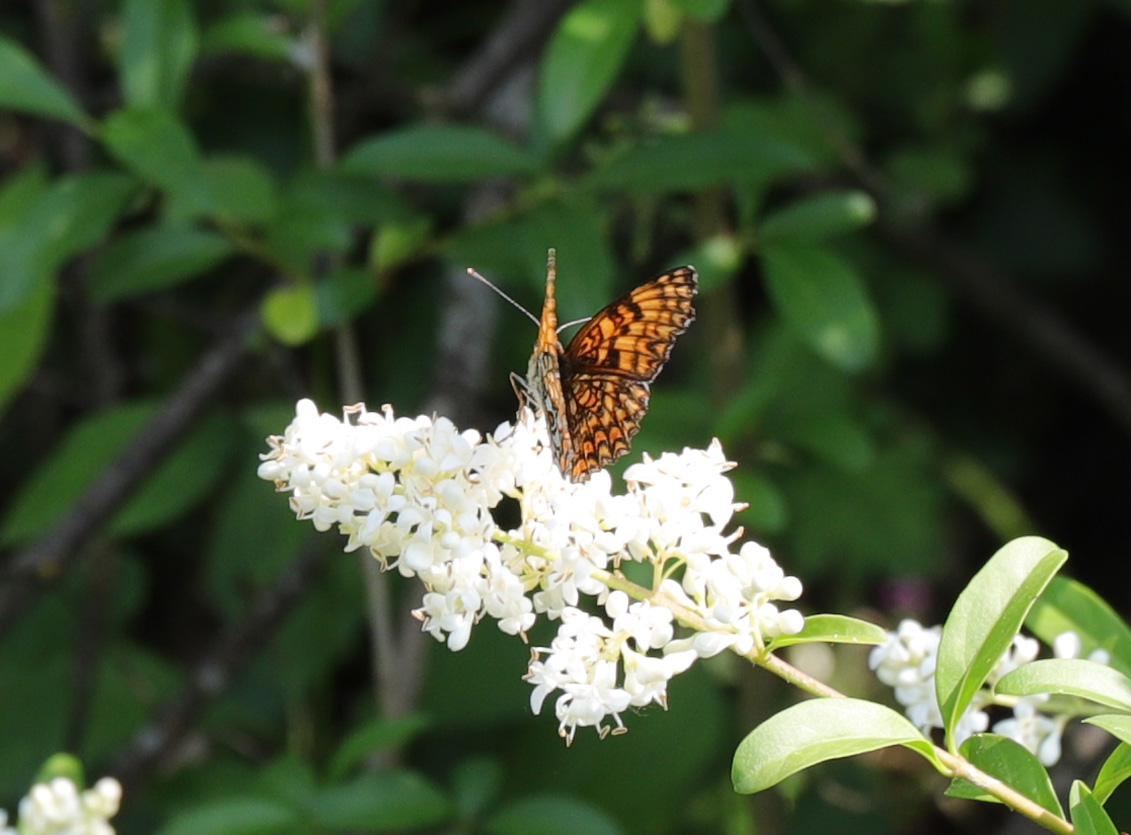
x,y
610,363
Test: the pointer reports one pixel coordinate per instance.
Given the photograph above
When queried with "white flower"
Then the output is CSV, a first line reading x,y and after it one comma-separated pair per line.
x,y
58,808
1035,731
419,495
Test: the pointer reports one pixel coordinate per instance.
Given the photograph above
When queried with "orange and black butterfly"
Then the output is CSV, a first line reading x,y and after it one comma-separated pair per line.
x,y
595,392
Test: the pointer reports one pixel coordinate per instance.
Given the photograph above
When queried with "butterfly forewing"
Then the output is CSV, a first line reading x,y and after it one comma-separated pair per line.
x,y
633,336
595,392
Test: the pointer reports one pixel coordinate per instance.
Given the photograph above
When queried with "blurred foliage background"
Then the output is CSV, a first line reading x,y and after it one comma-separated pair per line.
x,y
911,224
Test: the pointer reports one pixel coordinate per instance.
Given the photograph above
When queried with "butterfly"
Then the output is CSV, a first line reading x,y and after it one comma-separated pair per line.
x,y
594,392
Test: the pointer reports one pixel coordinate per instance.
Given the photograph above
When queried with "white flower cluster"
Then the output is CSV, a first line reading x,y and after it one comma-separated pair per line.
x,y
58,808
419,494
906,662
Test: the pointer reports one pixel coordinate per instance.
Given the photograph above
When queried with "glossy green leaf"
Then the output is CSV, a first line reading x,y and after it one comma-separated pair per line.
x,y
75,213
583,59
384,801
23,334
551,815
27,87
987,616
437,153
379,735
159,42
235,816
1070,677
717,260
823,302
834,629
1011,763
1117,767
820,216
290,313
153,258
1070,606
1088,816
248,33
158,148
815,731
241,190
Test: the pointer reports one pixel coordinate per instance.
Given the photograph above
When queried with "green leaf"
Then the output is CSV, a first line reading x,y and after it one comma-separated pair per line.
x,y
726,156
23,334
551,815
241,190
1011,763
987,617
70,217
156,146
381,802
290,313
717,260
154,258
185,477
1117,767
235,816
823,302
708,11
159,41
820,216
1070,606
344,294
834,629
379,735
85,452
248,33
815,731
1070,677
832,436
1088,816
21,189
26,86
582,60
438,154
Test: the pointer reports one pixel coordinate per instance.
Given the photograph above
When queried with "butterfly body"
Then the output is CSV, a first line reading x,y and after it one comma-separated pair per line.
x,y
595,391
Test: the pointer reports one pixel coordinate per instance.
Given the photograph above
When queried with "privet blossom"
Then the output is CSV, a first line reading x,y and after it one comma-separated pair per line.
x,y
906,662
59,808
418,494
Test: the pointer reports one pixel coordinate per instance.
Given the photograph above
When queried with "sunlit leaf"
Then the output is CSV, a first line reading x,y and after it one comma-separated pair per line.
x,y
987,616
815,731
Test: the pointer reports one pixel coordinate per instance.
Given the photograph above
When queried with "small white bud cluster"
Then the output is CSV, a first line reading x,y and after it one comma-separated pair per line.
x,y
59,808
906,662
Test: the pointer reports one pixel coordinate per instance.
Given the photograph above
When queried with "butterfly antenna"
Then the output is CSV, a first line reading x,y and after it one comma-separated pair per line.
x,y
581,321
471,272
